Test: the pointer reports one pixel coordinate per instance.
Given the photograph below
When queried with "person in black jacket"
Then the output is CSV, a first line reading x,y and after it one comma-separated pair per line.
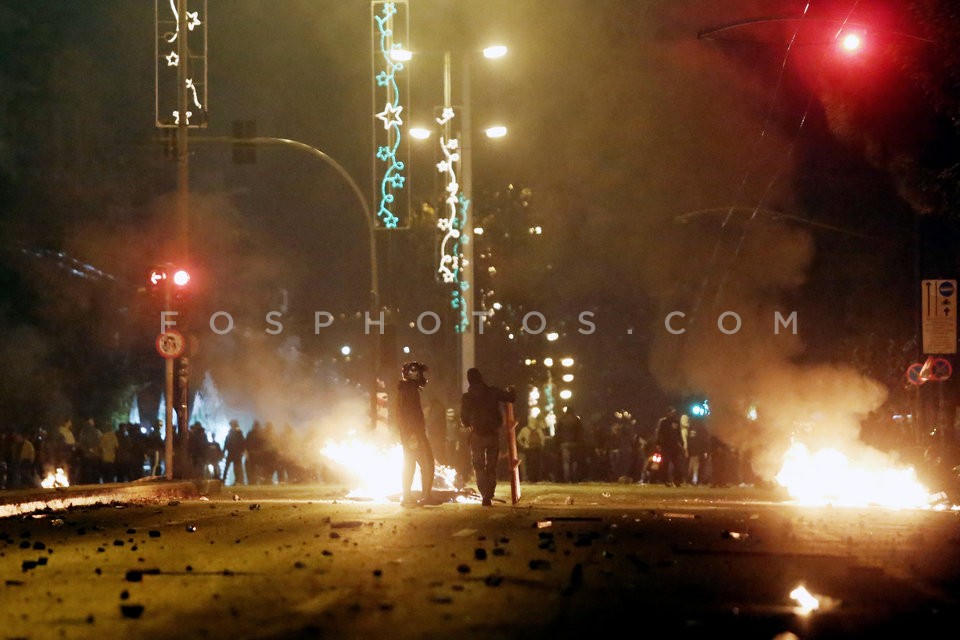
x,y
413,433
235,446
480,413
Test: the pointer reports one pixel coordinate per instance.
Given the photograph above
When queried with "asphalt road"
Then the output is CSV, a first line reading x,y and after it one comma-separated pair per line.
x,y
569,561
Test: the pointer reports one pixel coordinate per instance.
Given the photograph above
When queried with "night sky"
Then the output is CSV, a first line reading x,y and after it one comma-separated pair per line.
x,y
669,172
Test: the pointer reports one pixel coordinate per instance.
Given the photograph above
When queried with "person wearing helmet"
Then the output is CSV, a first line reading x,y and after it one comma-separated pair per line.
x,y
413,433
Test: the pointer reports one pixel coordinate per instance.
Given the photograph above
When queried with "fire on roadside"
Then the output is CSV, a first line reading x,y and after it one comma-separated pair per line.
x,y
375,470
829,477
55,479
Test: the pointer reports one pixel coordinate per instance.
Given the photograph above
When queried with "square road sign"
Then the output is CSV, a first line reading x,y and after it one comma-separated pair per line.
x,y
938,315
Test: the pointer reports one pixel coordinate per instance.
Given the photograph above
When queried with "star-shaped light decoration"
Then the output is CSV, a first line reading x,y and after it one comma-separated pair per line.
x,y
391,116
172,59
193,20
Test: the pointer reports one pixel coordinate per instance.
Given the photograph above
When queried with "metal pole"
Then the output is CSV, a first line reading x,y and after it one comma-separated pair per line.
x,y
168,395
183,199
467,345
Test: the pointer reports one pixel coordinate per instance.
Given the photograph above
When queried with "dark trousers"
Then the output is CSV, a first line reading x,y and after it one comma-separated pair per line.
x,y
485,452
237,470
417,451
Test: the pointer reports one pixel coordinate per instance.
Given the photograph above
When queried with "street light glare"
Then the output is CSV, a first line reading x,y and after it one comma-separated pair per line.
x,y
420,133
401,55
496,132
495,51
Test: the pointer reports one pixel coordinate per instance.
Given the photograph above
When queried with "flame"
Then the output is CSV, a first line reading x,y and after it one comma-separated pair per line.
x,y
58,479
828,477
806,601
376,470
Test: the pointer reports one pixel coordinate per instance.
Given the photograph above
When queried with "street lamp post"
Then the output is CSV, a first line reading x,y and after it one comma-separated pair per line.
x,y
465,280
457,246
368,216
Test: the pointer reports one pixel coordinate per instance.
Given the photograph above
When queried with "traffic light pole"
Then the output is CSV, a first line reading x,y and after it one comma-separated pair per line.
x,y
183,220
168,395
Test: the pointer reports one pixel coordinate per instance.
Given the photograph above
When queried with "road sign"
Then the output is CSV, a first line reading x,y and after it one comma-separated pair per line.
x,y
170,344
938,315
941,369
913,374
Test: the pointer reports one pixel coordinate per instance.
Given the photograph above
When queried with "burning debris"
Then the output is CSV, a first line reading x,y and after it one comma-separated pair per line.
x,y
55,479
828,477
374,469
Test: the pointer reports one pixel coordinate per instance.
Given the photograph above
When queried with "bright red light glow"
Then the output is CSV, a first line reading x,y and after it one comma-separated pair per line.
x,y
181,278
851,43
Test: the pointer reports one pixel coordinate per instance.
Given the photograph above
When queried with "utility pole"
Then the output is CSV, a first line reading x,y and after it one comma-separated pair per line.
x,y
183,230
180,84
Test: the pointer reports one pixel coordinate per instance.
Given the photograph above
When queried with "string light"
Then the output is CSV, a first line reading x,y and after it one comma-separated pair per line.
x,y
393,178
173,58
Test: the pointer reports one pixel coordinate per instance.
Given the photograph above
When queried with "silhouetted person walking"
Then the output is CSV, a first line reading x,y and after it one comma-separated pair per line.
x,y
480,412
235,446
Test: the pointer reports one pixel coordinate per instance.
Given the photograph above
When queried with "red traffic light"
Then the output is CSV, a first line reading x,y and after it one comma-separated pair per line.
x,y
181,277
851,42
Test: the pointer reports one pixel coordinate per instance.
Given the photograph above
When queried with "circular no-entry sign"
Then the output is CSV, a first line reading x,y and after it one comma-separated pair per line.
x,y
913,374
170,344
941,369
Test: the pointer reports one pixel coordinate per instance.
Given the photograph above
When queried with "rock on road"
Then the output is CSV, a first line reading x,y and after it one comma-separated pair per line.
x,y
569,561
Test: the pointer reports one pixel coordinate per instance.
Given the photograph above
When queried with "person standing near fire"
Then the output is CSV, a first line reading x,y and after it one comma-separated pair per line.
x,y
413,433
480,413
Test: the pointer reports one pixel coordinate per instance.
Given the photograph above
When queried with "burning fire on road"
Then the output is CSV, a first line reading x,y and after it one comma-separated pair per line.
x,y
375,470
55,480
828,477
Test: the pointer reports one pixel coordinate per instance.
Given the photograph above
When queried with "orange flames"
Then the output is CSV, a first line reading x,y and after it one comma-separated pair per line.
x,y
55,479
828,477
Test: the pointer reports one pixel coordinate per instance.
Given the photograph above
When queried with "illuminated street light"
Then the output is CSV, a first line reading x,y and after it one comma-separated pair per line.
x,y
345,350
548,362
401,55
566,394
456,222
497,131
567,377
553,336
495,51
419,133
567,362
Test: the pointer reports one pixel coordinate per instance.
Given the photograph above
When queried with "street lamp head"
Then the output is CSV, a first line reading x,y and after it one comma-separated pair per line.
x,y
401,55
497,131
420,133
495,51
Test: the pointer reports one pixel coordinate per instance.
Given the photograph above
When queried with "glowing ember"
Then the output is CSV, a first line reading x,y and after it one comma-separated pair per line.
x,y
828,477
806,602
376,470
53,480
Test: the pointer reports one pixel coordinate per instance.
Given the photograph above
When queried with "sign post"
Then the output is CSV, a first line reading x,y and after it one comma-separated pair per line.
x,y
939,316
